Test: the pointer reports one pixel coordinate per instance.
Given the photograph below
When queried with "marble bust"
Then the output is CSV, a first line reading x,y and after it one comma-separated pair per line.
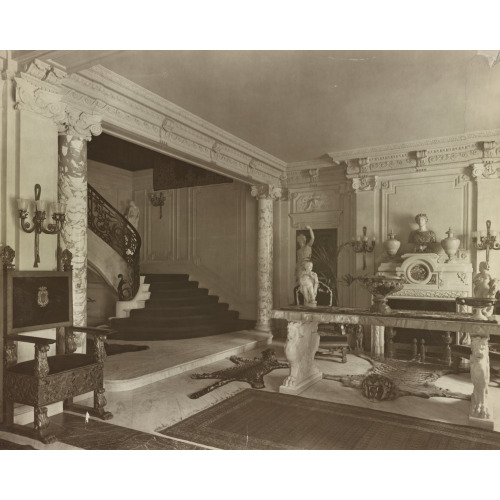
x,y
422,236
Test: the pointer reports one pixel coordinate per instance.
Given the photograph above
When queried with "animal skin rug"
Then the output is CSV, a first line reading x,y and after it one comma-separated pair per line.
x,y
393,378
251,371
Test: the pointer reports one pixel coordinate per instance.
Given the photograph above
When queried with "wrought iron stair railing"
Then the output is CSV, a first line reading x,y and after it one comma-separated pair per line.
x,y
115,230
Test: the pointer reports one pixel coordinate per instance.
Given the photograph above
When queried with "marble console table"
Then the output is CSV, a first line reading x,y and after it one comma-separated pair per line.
x,y
303,340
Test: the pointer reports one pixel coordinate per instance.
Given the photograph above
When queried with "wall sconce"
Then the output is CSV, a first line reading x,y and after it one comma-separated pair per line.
x,y
58,211
486,240
157,199
363,246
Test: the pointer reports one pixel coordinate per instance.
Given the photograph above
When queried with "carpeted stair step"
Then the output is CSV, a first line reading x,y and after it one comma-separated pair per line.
x,y
178,309
179,293
175,321
172,285
151,278
162,333
186,310
182,301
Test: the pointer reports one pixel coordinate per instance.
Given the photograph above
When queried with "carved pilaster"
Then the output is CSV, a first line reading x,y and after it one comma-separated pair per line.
x,y
364,183
41,369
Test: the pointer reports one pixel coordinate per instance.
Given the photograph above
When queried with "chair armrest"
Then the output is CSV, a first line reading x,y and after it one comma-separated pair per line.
x,y
31,340
91,330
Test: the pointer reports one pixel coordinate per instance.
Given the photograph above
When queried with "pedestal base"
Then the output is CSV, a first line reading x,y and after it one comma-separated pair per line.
x,y
483,423
312,379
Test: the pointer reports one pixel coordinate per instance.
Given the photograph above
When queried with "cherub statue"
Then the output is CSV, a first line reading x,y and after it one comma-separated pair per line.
x,y
308,283
481,281
422,236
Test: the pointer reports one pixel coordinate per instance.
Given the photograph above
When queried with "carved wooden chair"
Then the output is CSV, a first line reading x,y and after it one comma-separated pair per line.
x,y
38,300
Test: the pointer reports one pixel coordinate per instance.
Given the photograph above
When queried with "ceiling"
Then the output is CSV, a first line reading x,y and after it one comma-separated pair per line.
x,y
300,105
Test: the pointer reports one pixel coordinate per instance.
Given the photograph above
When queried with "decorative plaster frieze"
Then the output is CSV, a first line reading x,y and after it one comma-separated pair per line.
x,y
486,170
134,98
266,191
80,124
314,202
364,183
436,294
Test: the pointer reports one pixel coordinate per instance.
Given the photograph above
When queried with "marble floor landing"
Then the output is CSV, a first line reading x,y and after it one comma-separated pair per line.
x,y
155,406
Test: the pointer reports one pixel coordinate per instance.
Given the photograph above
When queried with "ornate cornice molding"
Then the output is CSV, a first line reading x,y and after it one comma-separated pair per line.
x,y
133,108
419,156
38,89
266,192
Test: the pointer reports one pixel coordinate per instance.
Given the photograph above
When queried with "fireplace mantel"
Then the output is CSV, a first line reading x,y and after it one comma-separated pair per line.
x,y
429,276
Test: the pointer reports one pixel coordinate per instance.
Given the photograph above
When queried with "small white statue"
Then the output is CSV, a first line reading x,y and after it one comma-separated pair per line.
x,y
485,286
132,214
480,376
308,283
304,252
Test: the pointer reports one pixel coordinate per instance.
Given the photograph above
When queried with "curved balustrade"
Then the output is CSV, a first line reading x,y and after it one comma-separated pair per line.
x,y
115,230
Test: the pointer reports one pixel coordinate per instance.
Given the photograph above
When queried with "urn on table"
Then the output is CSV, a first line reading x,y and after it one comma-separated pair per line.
x,y
450,245
391,245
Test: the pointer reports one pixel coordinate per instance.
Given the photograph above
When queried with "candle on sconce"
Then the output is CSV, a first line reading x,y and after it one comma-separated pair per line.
x,y
474,234
22,204
374,239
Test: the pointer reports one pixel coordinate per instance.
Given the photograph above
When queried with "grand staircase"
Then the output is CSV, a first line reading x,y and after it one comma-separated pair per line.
x,y
178,309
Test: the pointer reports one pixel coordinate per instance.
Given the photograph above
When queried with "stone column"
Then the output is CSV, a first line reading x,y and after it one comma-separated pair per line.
x,y
377,345
74,132
265,195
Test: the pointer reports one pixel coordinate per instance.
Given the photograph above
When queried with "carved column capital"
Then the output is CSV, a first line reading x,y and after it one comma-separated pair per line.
x,y
364,183
38,90
78,123
267,192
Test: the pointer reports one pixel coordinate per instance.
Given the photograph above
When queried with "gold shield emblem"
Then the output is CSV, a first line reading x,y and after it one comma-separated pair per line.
x,y
43,296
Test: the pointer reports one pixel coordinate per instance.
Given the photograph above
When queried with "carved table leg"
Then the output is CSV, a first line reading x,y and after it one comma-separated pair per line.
x,y
422,350
414,349
99,404
42,424
377,342
344,354
481,412
301,345
389,335
447,348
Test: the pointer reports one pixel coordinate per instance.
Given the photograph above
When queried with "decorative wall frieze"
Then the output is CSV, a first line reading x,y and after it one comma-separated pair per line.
x,y
314,202
439,153
364,183
266,191
80,124
38,90
486,170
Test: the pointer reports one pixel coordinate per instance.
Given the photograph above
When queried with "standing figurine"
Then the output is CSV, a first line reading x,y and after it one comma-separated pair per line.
x,y
132,214
422,236
304,252
308,283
